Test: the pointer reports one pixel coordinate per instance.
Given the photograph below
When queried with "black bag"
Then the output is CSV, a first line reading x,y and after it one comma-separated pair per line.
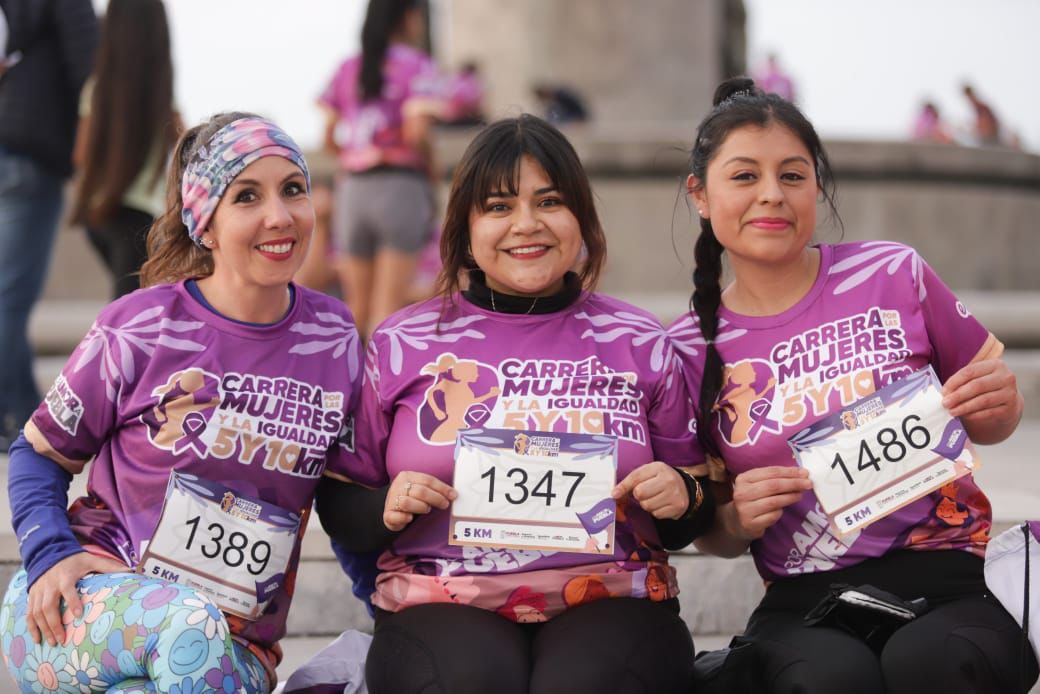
x,y
732,670
865,611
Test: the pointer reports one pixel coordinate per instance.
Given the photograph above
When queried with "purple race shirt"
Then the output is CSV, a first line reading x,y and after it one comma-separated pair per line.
x,y
371,131
161,383
599,366
876,313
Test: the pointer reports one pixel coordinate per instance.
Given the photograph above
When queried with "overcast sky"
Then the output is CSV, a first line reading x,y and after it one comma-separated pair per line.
x,y
862,69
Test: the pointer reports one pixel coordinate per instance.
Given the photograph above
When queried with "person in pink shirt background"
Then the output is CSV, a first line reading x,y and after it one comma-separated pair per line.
x,y
379,107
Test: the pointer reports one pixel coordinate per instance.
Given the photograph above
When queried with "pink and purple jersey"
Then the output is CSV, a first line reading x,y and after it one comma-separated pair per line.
x,y
600,366
371,131
162,383
875,314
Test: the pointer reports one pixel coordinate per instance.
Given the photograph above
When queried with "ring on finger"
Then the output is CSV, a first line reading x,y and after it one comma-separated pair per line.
x,y
408,489
397,502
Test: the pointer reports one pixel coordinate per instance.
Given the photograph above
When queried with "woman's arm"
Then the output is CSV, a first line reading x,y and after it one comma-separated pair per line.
x,y
984,394
37,488
760,496
352,515
696,521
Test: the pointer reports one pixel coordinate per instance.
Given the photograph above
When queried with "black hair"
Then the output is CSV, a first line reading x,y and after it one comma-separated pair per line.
x,y
131,109
737,103
382,19
491,163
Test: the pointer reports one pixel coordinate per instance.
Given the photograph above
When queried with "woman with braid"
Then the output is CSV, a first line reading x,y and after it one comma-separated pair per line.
x,y
784,345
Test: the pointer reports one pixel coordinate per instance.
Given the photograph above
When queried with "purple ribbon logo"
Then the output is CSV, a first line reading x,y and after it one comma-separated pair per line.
x,y
759,413
599,517
193,425
952,441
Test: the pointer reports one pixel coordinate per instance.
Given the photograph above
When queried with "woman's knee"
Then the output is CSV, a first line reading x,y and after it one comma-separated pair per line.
x,y
446,648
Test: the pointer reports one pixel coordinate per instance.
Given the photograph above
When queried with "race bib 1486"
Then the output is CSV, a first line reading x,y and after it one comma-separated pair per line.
x,y
884,451
534,490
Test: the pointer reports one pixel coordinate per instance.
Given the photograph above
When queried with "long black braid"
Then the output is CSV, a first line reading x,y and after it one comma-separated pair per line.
x,y
737,103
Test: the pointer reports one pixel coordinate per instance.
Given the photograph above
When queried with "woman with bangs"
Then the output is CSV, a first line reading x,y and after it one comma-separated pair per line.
x,y
519,340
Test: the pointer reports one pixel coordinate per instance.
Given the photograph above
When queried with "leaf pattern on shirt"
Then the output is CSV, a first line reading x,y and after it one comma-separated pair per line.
x,y
334,332
116,345
875,256
687,337
420,330
644,329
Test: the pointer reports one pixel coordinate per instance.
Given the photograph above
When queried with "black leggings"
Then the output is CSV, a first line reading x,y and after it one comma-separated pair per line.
x,y
611,645
966,643
121,243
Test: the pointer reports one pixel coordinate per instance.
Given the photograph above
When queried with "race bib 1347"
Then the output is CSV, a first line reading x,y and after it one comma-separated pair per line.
x,y
534,490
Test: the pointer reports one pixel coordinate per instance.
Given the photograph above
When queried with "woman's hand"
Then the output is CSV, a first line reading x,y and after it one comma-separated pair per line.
x,y
984,394
658,488
760,496
43,616
414,493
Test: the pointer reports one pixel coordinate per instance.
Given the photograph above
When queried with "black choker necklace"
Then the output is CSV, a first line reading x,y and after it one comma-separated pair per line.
x,y
495,309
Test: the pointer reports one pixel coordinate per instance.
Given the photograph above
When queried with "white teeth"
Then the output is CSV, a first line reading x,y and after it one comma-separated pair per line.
x,y
527,250
275,247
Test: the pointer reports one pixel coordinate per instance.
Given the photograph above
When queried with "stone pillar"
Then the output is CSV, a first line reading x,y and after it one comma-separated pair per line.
x,y
633,61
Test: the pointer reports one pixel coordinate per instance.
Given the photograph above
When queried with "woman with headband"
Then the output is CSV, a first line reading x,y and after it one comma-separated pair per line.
x,y
211,403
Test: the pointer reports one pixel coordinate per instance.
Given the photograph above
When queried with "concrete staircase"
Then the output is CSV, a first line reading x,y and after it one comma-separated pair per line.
x,y
717,594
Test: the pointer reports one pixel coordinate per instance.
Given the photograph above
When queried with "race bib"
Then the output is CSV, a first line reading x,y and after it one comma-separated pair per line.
x,y
233,549
884,451
534,490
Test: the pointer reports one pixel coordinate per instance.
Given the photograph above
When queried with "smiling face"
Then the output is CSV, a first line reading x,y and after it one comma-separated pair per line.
x,y
525,243
760,195
261,230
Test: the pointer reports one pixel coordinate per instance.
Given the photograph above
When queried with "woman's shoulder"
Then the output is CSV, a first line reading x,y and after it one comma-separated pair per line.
x,y
315,301
421,316
160,300
861,263
604,304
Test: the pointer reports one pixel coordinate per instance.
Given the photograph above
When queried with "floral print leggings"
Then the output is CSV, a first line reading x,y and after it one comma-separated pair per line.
x,y
137,634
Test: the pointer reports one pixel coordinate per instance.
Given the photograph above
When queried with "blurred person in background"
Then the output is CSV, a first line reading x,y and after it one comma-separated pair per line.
x,y
49,53
986,127
380,106
127,128
773,80
561,105
466,96
929,126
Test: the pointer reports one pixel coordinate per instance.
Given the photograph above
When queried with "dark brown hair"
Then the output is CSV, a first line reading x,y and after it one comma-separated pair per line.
x,y
131,108
738,103
492,163
172,255
382,19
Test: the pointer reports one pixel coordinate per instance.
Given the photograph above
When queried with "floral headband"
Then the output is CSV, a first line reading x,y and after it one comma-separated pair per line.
x,y
216,164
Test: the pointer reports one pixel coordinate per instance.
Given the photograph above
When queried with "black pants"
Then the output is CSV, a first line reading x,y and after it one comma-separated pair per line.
x,y
121,245
966,643
611,645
